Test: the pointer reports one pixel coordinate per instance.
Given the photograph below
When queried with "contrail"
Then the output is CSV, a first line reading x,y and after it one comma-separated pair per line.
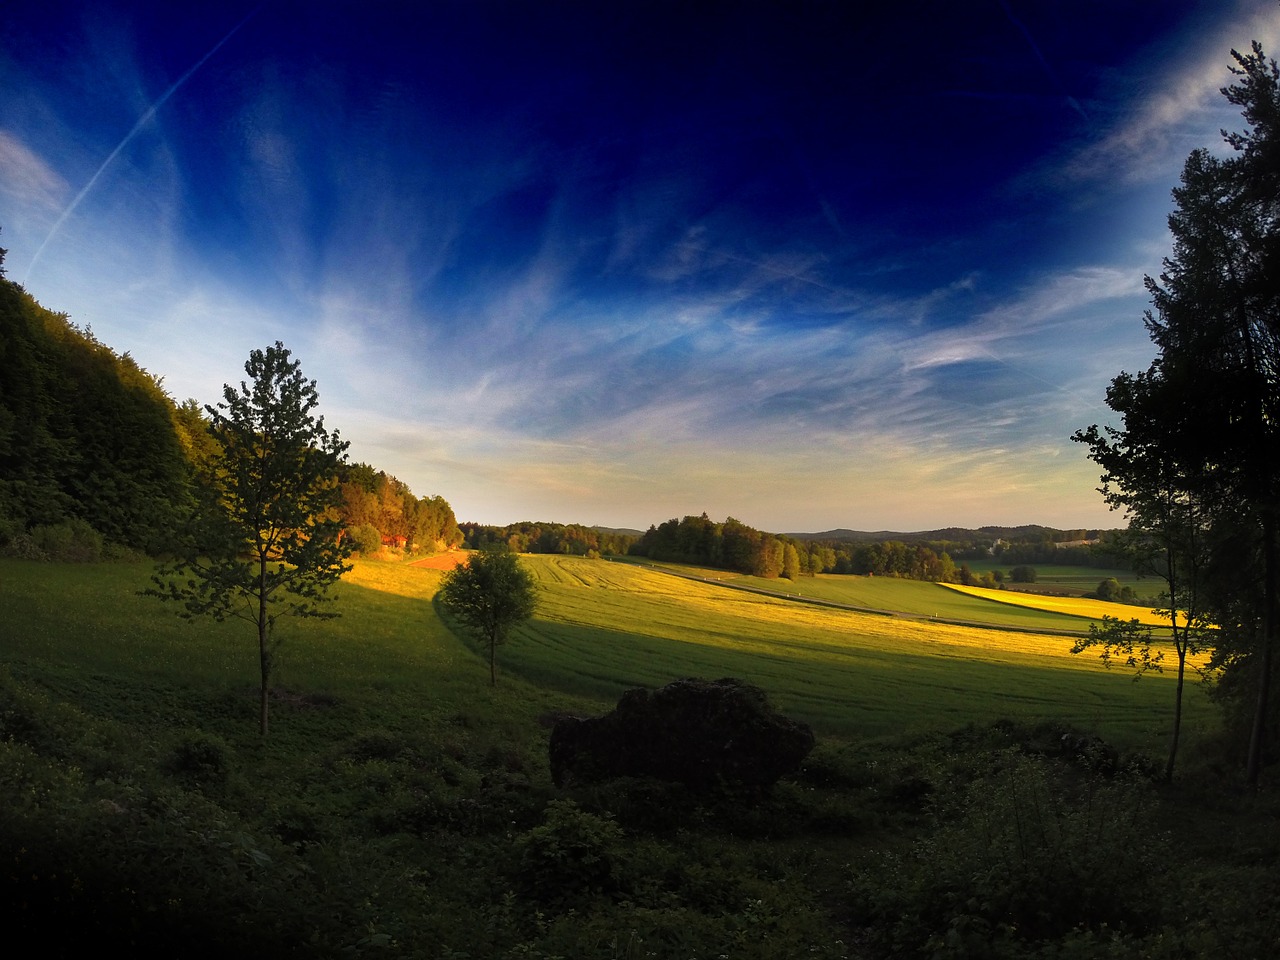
x,y
1035,48
146,117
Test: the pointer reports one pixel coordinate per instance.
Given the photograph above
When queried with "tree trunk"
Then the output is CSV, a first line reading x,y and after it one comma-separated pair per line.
x,y
1270,628
265,698
264,653
1177,706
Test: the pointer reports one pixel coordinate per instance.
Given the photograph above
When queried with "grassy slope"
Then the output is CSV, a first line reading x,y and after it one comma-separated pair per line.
x,y
1070,580
1092,610
83,633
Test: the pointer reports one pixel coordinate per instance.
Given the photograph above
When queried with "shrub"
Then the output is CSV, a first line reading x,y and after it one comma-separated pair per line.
x,y
71,541
642,804
201,760
16,542
1023,574
375,745
571,854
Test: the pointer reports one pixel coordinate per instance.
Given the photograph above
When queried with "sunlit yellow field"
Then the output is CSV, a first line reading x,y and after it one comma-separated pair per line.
x,y
1071,606
695,612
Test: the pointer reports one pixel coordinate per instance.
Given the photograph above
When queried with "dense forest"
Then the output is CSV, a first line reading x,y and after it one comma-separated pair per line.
x,y
381,511
97,460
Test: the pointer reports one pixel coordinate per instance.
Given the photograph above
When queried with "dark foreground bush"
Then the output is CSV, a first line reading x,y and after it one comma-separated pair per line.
x,y
202,761
109,864
571,855
1030,857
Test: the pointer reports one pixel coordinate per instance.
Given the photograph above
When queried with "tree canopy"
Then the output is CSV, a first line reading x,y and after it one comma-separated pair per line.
x,y
490,594
374,499
97,460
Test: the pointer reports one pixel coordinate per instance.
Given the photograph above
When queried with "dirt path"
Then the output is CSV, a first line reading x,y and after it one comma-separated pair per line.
x,y
441,561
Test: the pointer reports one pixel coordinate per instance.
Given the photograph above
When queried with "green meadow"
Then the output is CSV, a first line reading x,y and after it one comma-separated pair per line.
x,y
893,595
1071,580
402,807
83,633
601,628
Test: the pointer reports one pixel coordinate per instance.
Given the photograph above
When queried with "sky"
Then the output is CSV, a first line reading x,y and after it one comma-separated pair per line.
x,y
803,264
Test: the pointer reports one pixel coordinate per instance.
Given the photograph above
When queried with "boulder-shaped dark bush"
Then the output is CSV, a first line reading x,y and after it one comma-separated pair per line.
x,y
698,732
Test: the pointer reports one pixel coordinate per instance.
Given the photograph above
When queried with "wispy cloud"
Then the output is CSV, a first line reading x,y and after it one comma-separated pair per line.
x,y
539,322
27,178
1182,107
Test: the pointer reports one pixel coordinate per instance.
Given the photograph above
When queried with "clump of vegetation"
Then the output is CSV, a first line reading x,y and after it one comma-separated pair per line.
x,y
489,595
570,855
1019,857
365,538
1023,574
201,761
1111,589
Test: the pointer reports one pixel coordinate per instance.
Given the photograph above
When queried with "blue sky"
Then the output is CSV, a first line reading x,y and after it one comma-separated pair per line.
x,y
800,264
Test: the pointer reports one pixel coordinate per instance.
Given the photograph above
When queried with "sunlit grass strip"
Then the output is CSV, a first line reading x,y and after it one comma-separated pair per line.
x,y
893,594
689,607
1071,606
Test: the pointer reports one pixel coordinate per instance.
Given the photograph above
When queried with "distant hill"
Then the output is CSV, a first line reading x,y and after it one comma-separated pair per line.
x,y
618,531
1019,533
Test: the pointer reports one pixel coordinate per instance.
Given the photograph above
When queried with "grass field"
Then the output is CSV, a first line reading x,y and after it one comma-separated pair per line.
x,y
1078,607
600,629
604,627
893,595
1070,580
83,633
402,807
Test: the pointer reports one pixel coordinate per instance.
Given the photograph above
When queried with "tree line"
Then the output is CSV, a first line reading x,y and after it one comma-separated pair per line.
x,y
90,450
732,545
381,511
568,539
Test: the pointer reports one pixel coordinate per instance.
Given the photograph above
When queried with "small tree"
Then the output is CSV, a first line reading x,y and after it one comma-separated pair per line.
x,y
490,594
266,542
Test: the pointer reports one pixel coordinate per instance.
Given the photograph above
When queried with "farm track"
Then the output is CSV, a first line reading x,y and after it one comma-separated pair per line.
x,y
837,605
